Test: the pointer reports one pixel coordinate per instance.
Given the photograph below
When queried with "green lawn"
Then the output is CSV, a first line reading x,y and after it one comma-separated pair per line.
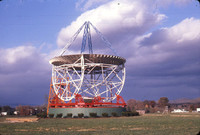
x,y
174,124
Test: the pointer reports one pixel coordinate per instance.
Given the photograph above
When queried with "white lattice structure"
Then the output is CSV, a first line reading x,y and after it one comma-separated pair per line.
x,y
90,75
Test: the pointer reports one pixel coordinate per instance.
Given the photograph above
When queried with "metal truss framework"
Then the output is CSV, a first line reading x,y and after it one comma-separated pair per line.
x,y
86,84
87,37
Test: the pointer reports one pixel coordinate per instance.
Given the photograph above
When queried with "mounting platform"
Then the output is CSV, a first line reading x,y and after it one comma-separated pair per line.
x,y
86,111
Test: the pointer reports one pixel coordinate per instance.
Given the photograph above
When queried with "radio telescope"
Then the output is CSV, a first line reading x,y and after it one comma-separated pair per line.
x,y
86,81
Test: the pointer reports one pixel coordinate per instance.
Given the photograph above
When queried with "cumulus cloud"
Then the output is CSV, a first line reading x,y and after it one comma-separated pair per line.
x,y
117,20
21,59
24,75
174,50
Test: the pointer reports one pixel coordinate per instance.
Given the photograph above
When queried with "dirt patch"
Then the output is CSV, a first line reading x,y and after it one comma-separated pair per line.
x,y
63,130
73,128
129,127
22,130
89,129
20,120
42,129
136,128
114,129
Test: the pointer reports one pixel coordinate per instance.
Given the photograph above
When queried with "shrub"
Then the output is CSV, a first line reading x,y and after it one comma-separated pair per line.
x,y
42,115
65,116
130,114
80,115
75,116
105,114
69,115
114,114
135,113
126,113
93,115
59,115
123,113
51,115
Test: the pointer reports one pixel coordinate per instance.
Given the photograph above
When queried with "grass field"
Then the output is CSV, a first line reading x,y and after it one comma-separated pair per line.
x,y
151,124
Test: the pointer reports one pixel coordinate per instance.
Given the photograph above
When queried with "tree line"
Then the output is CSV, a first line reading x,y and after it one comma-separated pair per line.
x,y
151,106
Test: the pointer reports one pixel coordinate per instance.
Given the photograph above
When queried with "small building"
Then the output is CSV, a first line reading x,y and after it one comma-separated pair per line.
x,y
15,112
179,111
4,113
198,110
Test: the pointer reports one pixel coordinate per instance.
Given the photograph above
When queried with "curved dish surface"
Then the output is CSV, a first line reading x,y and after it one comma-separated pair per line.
x,y
88,58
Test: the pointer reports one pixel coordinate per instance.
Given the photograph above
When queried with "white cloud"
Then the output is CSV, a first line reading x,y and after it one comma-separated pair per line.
x,y
172,50
118,20
22,59
12,55
188,29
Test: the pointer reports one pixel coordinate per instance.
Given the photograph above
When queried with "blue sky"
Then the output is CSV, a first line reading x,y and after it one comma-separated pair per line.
x,y
34,21
159,39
